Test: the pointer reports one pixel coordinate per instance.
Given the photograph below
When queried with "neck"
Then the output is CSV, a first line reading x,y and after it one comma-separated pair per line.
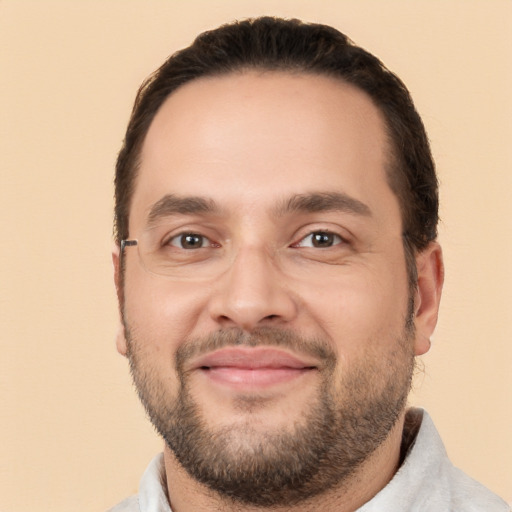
x,y
188,495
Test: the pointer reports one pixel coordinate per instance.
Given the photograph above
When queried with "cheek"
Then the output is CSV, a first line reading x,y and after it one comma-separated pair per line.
x,y
159,312
361,312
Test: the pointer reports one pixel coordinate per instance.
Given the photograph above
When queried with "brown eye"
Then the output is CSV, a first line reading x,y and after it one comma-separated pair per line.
x,y
189,241
320,240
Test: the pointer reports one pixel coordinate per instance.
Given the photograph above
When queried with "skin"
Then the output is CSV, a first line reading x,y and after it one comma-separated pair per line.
x,y
250,142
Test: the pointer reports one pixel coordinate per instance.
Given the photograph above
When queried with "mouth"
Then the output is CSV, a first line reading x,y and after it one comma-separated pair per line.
x,y
252,368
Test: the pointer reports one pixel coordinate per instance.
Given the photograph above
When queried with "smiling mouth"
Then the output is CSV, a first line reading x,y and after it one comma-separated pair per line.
x,y
252,367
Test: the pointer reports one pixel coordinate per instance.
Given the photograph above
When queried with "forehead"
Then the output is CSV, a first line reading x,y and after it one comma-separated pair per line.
x,y
254,137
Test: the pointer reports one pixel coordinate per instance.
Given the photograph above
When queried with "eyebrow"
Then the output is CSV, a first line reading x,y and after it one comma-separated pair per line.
x,y
313,202
173,205
323,202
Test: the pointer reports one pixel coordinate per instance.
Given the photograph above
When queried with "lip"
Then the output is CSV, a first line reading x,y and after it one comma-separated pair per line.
x,y
252,368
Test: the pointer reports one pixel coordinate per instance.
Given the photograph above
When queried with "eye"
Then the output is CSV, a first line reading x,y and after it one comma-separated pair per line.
x,y
320,240
189,241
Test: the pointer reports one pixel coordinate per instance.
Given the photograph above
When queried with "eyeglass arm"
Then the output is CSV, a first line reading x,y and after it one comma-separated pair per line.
x,y
127,243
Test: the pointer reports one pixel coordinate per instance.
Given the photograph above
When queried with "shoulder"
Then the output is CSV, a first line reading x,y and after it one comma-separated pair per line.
x,y
130,504
447,487
428,482
471,496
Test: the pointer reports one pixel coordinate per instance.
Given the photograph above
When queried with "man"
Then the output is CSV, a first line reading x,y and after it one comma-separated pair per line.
x,y
278,272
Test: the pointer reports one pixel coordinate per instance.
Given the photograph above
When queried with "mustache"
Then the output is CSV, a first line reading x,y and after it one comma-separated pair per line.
x,y
262,336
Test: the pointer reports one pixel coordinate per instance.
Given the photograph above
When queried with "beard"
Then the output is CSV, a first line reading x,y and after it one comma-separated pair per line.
x,y
342,426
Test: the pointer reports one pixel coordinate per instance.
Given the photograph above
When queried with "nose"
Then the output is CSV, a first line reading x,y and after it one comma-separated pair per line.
x,y
252,293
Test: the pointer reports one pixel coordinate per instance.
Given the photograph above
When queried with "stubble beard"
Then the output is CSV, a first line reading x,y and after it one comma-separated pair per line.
x,y
323,448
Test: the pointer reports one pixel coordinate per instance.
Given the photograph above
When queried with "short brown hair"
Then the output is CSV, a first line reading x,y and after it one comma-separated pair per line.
x,y
269,43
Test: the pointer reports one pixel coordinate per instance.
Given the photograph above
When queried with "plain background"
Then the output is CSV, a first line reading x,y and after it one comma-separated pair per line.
x,y
74,436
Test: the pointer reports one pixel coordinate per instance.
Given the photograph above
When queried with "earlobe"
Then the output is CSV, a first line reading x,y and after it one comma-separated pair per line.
x,y
121,340
430,267
120,336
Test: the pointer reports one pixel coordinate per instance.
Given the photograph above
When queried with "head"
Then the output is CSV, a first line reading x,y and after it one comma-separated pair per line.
x,y
280,186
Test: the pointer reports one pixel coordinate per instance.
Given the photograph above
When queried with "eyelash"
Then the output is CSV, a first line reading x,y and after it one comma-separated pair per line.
x,y
206,242
325,234
182,236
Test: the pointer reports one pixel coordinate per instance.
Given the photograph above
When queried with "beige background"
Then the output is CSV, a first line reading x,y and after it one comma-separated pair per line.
x,y
73,436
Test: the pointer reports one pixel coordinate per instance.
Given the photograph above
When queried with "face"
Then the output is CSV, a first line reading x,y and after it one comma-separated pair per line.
x,y
266,308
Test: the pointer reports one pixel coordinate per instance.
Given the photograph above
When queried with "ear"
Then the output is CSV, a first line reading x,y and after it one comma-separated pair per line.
x,y
120,336
430,268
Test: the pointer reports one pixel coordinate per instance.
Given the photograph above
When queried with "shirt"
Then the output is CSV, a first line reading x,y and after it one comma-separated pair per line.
x,y
426,482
